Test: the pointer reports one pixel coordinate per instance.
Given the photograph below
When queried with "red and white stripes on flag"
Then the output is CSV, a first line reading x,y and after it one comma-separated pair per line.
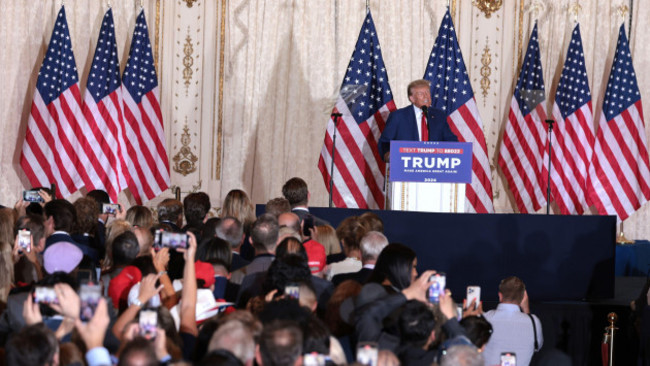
x,y
619,176
102,109
522,148
452,92
51,152
146,154
365,100
573,136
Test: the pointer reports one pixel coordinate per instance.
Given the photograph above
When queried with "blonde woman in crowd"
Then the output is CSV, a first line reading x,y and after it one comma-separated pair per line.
x,y
326,235
140,216
238,205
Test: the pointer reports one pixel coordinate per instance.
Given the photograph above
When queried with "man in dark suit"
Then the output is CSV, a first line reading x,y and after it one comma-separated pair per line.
x,y
296,192
415,123
371,245
264,238
100,197
231,230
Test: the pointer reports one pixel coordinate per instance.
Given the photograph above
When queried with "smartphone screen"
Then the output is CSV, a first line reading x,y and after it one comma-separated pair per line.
x,y
508,359
174,240
473,293
292,290
45,295
89,296
437,288
25,240
148,323
32,196
166,239
110,208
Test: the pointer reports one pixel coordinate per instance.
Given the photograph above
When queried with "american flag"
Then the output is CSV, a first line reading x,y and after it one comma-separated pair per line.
x,y
452,92
146,152
619,175
522,147
51,152
102,110
573,135
365,100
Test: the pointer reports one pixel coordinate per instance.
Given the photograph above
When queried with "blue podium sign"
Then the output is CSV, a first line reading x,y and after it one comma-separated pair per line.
x,y
431,161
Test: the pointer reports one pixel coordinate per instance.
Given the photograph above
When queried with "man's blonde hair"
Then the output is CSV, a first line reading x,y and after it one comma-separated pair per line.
x,y
417,84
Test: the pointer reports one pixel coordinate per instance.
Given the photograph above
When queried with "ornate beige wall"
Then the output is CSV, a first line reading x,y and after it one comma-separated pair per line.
x,y
247,85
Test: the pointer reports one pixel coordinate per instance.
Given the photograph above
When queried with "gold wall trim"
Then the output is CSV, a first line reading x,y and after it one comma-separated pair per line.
x,y
486,71
520,46
188,61
157,42
190,3
488,6
185,160
222,41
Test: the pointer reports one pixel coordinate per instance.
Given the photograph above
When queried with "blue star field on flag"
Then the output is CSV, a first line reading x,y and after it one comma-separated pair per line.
x,y
104,77
365,86
446,70
140,74
573,88
530,86
622,88
59,70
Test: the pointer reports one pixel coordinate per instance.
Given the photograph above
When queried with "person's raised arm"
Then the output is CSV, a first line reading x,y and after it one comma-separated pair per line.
x,y
188,295
160,261
147,291
93,332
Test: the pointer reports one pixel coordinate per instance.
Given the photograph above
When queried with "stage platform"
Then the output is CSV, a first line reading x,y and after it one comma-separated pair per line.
x,y
558,257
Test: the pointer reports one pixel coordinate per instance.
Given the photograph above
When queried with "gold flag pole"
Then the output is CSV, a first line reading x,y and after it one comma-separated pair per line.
x,y
621,239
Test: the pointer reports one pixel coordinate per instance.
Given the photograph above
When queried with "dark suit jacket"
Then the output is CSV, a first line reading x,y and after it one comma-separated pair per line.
x,y
238,262
360,276
401,125
317,221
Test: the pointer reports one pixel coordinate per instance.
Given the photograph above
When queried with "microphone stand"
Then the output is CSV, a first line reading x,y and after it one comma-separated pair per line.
x,y
550,156
337,118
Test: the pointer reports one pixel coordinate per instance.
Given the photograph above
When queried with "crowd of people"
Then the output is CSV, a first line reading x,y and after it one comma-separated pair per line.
x,y
89,283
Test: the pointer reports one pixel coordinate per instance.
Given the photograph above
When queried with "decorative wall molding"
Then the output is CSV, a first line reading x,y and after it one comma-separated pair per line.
x,y
188,60
486,71
185,160
488,6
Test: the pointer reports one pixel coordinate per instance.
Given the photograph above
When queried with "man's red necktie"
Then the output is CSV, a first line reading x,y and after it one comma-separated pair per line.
x,y
425,130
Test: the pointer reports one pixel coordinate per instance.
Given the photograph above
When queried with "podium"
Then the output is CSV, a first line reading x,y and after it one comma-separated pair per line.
x,y
428,176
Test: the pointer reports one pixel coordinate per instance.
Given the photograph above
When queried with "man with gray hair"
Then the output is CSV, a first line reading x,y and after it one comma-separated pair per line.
x,y
231,230
264,238
236,338
371,245
462,355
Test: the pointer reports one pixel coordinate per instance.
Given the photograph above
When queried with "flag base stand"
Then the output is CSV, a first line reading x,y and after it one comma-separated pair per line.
x,y
621,239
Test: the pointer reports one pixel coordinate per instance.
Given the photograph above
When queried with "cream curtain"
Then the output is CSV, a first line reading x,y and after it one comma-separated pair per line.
x,y
247,85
